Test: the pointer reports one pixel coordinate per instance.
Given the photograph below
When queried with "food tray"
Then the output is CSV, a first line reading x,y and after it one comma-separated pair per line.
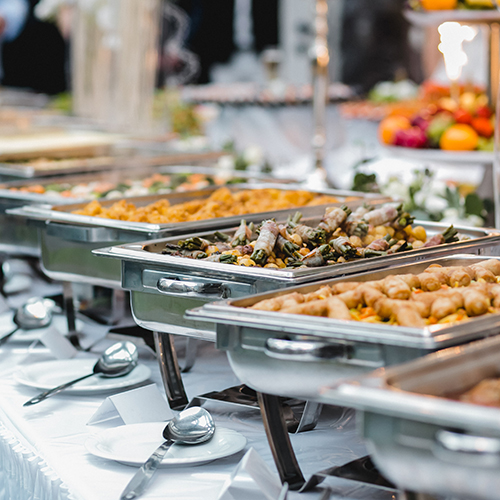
x,y
295,355
22,240
163,287
418,439
67,239
122,159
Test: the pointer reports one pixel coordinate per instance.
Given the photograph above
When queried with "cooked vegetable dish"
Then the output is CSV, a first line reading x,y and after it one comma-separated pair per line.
x,y
341,236
221,203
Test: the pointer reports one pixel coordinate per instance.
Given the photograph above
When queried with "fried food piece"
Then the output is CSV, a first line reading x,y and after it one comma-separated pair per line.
x,y
405,312
486,392
481,272
454,275
276,303
476,302
337,309
430,282
395,288
344,286
321,293
492,265
312,308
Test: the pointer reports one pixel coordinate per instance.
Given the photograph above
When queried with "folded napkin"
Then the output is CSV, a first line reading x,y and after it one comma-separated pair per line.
x,y
251,479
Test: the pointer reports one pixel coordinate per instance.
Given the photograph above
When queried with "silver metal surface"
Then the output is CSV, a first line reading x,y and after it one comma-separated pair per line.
x,y
144,268
116,361
420,436
67,239
262,346
17,237
192,426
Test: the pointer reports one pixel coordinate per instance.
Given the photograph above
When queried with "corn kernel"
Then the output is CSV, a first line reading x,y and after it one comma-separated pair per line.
x,y
247,263
356,241
420,233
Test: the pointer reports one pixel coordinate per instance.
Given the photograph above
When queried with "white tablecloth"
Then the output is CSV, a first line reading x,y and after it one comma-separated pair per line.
x,y
43,457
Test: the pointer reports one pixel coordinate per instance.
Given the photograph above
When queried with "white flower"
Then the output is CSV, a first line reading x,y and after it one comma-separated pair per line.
x,y
396,189
435,204
225,163
253,155
475,221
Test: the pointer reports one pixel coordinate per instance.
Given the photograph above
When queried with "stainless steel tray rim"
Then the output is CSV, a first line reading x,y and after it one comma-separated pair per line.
x,y
345,330
136,252
424,408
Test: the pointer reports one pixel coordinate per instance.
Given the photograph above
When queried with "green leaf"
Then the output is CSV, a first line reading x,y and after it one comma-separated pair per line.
x,y
474,205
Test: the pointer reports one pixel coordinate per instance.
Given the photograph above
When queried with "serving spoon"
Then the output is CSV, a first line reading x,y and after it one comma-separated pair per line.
x,y
116,361
35,313
191,426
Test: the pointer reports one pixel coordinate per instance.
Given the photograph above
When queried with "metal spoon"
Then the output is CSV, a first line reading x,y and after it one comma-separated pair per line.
x,y
192,426
116,361
35,313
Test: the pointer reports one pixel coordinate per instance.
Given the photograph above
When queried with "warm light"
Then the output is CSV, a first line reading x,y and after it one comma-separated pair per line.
x,y
452,37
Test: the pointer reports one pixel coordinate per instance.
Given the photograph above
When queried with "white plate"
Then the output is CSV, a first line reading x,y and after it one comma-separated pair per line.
x,y
133,445
50,374
440,156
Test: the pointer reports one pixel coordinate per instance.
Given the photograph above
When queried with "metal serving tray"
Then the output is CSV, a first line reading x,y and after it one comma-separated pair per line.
x,y
295,355
21,239
163,286
127,158
418,439
67,239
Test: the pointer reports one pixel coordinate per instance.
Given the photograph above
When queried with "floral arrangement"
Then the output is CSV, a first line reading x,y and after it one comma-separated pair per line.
x,y
427,198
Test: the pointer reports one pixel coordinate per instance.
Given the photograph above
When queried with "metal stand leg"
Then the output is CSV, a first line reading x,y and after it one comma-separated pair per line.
x,y
413,495
170,371
279,441
190,356
309,417
69,307
118,306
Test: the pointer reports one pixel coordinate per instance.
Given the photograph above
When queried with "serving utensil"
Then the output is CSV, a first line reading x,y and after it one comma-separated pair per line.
x,y
35,313
116,361
194,425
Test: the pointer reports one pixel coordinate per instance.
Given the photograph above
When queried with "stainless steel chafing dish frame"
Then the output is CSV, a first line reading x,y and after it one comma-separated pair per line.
x,y
286,357
66,239
405,413
22,239
179,282
331,338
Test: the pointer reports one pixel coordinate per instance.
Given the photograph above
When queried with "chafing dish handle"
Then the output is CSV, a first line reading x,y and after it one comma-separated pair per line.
x,y
465,443
305,350
165,285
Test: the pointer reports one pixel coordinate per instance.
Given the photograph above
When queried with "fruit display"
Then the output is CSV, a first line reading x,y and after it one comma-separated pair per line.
x,y
466,124
452,4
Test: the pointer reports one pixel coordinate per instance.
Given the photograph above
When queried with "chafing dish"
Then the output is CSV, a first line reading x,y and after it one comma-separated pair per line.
x,y
295,355
67,239
418,438
163,287
22,239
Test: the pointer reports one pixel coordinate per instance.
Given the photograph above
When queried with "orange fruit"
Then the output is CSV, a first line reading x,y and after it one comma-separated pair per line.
x,y
439,4
459,137
390,125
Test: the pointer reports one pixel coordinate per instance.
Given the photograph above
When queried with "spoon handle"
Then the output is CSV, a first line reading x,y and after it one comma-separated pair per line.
x,y
6,337
55,390
138,483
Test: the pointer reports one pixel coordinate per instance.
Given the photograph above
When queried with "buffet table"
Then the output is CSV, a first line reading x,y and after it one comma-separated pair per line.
x,y
42,452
